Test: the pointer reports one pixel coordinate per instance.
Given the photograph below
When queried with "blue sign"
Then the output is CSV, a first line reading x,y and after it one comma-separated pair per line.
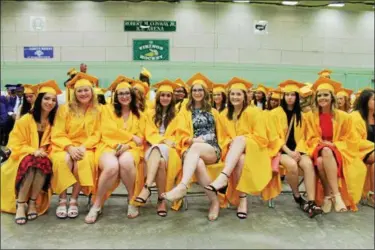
x,y
38,52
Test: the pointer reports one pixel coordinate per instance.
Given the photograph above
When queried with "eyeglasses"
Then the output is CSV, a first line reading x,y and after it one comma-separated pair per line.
x,y
123,93
197,90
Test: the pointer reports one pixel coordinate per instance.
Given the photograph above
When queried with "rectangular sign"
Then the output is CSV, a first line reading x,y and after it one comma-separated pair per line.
x,y
149,26
150,50
38,52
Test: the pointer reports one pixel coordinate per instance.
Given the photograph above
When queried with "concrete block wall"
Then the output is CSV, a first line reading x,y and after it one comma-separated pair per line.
x,y
212,33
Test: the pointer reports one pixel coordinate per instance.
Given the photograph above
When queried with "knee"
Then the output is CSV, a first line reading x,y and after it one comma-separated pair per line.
x,y
112,171
195,147
293,168
127,164
327,152
162,164
201,166
319,164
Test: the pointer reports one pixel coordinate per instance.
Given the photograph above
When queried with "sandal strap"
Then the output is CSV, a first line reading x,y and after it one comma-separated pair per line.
x,y
243,196
94,212
225,174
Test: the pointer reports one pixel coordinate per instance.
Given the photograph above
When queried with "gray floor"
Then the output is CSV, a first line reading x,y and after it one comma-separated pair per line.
x,y
283,227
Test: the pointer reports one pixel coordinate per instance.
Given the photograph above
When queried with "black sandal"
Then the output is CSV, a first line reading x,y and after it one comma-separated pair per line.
x,y
312,209
32,216
242,215
161,213
140,199
300,201
212,188
19,219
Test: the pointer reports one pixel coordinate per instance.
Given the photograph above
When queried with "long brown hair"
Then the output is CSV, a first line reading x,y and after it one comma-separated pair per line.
x,y
141,100
231,107
347,104
206,106
170,114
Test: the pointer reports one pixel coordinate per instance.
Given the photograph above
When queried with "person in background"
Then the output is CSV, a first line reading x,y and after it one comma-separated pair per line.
x,y
141,90
100,92
29,99
25,177
306,98
14,101
260,100
219,97
343,99
83,68
274,100
180,94
325,73
64,98
250,95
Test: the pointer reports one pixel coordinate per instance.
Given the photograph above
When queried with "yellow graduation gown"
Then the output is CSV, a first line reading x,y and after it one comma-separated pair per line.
x,y
182,105
346,140
174,169
75,130
23,140
256,172
114,130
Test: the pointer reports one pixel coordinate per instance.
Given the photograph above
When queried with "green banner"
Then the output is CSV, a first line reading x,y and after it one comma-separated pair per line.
x,y
150,50
150,26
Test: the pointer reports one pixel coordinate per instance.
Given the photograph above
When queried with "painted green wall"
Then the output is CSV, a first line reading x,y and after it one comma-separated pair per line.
x,y
271,75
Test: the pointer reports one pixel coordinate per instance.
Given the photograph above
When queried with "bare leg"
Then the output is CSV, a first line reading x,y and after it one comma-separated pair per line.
x,y
330,167
23,192
309,176
161,179
327,203
153,164
73,210
61,210
237,148
203,180
292,173
38,182
242,207
197,151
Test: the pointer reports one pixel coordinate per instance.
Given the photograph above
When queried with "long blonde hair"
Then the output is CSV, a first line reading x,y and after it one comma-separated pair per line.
x,y
316,107
206,106
74,103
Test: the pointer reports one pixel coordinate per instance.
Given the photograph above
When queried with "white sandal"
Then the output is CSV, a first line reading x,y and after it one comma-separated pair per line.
x,y
73,211
61,210
133,211
93,215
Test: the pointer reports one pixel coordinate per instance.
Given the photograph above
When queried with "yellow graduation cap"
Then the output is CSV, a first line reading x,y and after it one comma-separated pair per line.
x,y
325,73
345,92
72,71
30,89
121,82
276,93
305,91
291,86
145,72
166,86
100,91
180,82
218,88
262,88
239,83
49,86
326,84
360,91
82,79
199,78
141,86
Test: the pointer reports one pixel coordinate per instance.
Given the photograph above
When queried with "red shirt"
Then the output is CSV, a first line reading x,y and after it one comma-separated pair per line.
x,y
326,126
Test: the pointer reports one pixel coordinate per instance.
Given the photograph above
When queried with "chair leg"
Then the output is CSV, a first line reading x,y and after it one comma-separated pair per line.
x,y
89,202
185,201
271,203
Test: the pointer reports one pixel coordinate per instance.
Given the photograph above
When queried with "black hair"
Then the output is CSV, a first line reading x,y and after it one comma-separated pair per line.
x,y
263,101
224,101
296,108
132,105
144,78
26,106
101,99
37,110
362,105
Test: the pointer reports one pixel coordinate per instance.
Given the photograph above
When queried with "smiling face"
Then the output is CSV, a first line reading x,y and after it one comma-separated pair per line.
x,y
197,93
218,98
48,102
165,98
324,98
237,97
124,96
179,94
84,94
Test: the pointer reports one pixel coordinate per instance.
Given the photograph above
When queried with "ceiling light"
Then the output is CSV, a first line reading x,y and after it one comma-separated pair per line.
x,y
336,5
291,3
241,1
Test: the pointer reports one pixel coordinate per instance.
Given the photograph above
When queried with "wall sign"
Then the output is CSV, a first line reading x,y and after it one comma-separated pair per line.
x,y
37,52
260,27
37,23
150,50
149,26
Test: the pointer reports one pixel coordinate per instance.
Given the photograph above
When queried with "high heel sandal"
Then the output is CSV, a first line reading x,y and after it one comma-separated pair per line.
x,y
161,213
242,215
300,201
93,214
327,204
140,199
215,190
34,215
23,218
340,206
165,196
312,209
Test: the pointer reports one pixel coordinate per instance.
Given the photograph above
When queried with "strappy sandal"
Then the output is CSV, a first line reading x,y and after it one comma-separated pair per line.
x,y
73,210
61,210
133,211
215,190
161,213
327,204
21,220
93,215
242,215
140,199
340,206
34,215
300,201
370,199
164,195
312,209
